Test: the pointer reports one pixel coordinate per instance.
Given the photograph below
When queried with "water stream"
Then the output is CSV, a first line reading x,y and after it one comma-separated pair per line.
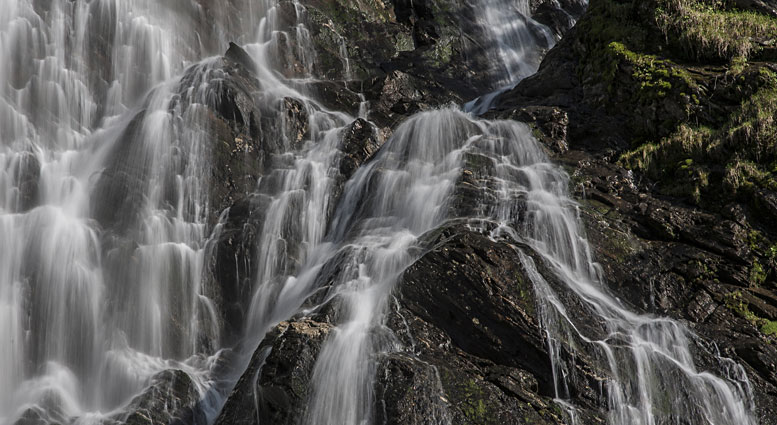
x,y
107,226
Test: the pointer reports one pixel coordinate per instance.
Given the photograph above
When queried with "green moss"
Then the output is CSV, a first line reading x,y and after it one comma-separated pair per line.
x,y
526,295
738,305
443,50
769,327
653,77
754,125
473,405
469,397
404,42
738,64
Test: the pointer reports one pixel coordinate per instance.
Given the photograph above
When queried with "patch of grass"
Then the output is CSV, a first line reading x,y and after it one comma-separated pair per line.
x,y
679,158
754,125
738,305
743,150
705,30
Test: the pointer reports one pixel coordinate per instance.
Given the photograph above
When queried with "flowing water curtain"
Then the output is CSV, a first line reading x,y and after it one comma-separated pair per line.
x,y
52,258
518,42
515,45
388,204
73,75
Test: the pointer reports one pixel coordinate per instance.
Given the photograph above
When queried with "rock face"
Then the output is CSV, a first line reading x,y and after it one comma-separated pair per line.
x,y
169,399
467,312
275,386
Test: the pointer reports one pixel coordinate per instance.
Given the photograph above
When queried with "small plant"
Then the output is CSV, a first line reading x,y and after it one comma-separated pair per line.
x,y
769,327
757,274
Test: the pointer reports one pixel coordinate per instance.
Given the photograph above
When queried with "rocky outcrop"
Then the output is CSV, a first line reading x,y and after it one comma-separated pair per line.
x,y
275,386
409,56
467,312
170,398
236,245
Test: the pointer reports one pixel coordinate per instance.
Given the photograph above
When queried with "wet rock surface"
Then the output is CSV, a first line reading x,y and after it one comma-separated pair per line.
x,y
170,398
276,384
481,336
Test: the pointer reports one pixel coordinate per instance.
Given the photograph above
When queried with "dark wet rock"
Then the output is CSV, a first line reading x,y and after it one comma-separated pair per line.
x,y
295,121
559,16
235,249
399,95
549,121
237,55
28,175
761,357
460,275
460,390
360,143
337,96
484,311
409,392
766,204
437,47
275,386
475,356
701,307
367,32
119,191
767,7
240,147
169,399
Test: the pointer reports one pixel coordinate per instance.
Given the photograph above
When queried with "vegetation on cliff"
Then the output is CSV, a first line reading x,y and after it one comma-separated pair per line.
x,y
703,92
695,85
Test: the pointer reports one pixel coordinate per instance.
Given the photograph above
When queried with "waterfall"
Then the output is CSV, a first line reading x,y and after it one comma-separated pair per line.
x,y
108,226
105,214
652,376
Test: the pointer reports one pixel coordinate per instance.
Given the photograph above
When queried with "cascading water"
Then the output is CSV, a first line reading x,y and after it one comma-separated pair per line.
x,y
652,377
106,219
518,45
104,187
